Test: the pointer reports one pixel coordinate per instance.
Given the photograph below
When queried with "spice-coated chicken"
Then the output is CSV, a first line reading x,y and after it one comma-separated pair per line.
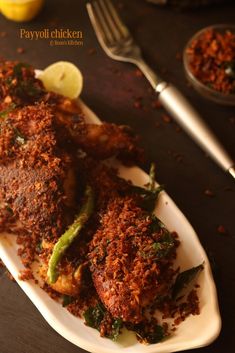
x,y
41,132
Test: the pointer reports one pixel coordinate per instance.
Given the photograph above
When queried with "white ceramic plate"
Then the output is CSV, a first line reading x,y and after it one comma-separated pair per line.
x,y
195,331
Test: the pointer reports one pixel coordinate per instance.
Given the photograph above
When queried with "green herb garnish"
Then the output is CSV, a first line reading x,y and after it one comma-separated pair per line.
x,y
184,278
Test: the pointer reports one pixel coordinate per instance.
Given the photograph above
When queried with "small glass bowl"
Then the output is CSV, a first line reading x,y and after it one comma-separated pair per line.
x,y
204,90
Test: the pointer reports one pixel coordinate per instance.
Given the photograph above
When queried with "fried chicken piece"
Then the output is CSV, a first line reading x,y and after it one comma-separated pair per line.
x,y
18,86
34,171
122,255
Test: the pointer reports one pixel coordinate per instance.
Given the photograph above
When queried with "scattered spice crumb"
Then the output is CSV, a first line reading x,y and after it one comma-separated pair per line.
x,y
91,51
209,193
177,128
178,56
156,104
177,156
26,274
138,103
221,229
120,5
20,50
3,34
166,118
157,124
138,73
232,120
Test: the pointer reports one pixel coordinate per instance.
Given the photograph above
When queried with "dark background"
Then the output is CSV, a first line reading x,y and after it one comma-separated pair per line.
x,y
118,94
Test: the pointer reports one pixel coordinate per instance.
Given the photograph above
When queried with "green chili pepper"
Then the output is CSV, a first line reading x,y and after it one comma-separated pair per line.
x,y
67,238
152,177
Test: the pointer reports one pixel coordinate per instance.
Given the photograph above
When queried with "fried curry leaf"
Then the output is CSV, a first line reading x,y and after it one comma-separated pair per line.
x,y
166,242
116,329
17,70
24,88
94,315
184,278
155,335
66,300
150,195
162,249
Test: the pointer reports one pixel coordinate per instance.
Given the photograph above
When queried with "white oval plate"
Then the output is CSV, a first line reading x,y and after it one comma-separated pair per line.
x,y
195,331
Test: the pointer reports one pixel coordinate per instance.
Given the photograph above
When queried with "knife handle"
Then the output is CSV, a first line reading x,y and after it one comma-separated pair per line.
x,y
187,117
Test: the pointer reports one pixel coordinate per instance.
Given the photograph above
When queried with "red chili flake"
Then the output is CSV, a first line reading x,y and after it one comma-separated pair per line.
x,y
221,229
212,59
209,193
20,50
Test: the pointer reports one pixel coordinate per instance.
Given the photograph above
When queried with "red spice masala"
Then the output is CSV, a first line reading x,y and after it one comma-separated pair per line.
x,y
212,60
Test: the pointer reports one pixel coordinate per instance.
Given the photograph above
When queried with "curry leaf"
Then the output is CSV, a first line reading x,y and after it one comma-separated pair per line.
x,y
66,300
94,316
184,278
116,329
155,335
17,70
150,194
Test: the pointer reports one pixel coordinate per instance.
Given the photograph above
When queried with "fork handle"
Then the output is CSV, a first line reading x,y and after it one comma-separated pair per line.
x,y
183,112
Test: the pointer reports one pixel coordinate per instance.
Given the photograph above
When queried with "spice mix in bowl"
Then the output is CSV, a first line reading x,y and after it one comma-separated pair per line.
x,y
209,61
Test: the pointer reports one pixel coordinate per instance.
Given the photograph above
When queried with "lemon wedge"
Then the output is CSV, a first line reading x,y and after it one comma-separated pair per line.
x,y
64,78
20,10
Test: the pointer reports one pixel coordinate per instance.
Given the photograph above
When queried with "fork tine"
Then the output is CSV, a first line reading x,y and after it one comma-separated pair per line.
x,y
102,31
114,29
117,19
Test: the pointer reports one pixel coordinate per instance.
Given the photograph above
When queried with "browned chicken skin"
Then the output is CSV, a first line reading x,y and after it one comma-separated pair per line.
x,y
124,269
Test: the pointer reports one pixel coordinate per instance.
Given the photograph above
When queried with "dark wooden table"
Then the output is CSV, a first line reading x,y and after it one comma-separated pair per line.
x,y
118,94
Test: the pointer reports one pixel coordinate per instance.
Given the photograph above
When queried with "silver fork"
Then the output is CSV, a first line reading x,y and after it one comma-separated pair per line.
x,y
118,43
